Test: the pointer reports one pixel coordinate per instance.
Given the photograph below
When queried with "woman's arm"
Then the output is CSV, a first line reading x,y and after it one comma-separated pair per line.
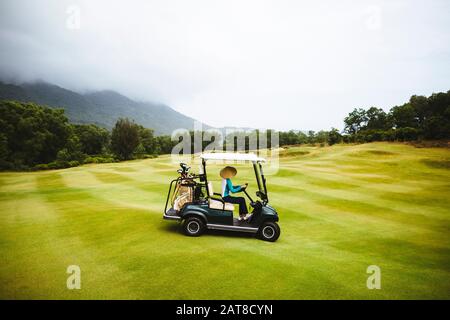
x,y
232,188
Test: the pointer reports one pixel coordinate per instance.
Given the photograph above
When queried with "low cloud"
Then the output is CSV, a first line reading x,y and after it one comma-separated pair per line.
x,y
278,64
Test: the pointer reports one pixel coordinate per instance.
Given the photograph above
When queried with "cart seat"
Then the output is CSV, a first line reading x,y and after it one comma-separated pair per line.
x,y
218,205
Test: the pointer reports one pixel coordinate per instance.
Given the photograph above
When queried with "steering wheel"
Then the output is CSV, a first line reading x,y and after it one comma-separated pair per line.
x,y
244,189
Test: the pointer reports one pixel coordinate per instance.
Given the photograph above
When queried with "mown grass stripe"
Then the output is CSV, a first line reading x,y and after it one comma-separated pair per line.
x,y
341,208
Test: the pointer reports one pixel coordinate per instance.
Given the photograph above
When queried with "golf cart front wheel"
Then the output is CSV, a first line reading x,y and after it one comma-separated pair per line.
x,y
193,227
269,231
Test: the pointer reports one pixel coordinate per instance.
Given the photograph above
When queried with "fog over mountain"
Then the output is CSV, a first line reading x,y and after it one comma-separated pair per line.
x,y
263,64
101,107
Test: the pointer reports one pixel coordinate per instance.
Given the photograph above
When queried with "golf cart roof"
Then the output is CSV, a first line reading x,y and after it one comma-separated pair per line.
x,y
232,156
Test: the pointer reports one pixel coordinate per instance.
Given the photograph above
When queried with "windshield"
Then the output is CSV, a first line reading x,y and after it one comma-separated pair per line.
x,y
260,181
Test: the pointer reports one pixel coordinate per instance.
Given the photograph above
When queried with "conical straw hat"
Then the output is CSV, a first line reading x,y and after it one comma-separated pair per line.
x,y
228,172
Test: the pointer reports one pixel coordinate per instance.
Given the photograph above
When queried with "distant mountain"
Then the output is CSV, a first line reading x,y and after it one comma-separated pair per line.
x,y
102,108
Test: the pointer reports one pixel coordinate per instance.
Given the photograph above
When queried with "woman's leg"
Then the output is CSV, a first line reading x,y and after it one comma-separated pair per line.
x,y
242,206
240,201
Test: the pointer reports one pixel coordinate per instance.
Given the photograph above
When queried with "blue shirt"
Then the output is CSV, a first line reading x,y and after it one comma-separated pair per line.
x,y
227,187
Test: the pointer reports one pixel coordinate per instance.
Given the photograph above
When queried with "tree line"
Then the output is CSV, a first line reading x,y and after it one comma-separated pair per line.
x,y
38,137
421,118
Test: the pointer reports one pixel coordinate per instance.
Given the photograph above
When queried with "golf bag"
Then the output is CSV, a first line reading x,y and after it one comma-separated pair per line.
x,y
183,194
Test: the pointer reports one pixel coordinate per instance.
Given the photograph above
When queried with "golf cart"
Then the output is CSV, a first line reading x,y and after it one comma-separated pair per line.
x,y
192,201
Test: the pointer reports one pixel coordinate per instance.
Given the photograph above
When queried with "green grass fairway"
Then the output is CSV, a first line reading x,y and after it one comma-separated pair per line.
x,y
342,208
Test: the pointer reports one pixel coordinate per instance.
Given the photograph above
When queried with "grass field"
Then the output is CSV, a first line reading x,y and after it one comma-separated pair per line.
x,y
342,208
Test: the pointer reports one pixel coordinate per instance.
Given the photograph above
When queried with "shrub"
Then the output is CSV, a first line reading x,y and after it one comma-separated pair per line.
x,y
74,163
139,152
407,134
58,165
99,159
42,166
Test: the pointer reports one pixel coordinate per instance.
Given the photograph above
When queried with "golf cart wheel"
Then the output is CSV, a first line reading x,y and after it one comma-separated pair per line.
x,y
193,227
269,231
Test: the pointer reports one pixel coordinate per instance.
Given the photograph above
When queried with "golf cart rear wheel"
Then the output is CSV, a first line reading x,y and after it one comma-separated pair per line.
x,y
193,227
269,231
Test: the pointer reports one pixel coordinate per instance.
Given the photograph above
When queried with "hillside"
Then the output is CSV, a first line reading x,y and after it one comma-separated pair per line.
x,y
342,209
102,108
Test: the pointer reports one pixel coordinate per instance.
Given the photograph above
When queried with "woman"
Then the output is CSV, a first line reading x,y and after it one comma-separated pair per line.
x,y
227,187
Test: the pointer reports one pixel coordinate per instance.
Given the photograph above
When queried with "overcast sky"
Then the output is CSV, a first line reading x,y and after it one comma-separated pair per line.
x,y
263,64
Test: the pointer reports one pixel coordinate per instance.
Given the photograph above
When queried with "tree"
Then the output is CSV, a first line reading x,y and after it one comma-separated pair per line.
x,y
311,137
436,123
334,136
377,119
421,108
355,121
93,139
124,138
4,151
164,144
404,116
147,140
302,138
322,136
72,151
291,137
436,127
31,134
